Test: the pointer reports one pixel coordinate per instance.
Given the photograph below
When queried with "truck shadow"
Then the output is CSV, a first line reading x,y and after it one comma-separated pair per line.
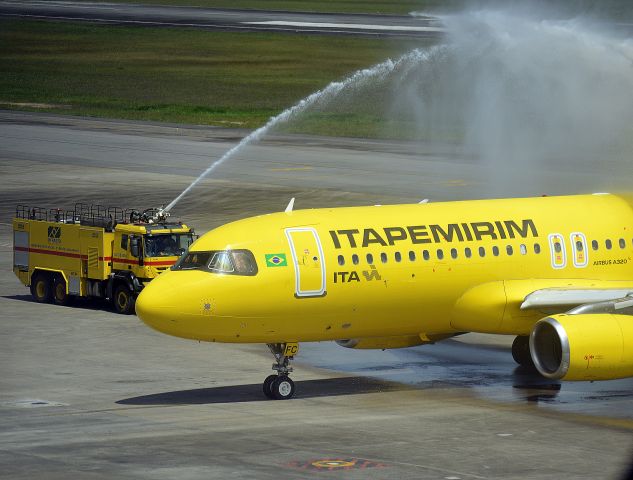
x,y
22,298
329,387
80,303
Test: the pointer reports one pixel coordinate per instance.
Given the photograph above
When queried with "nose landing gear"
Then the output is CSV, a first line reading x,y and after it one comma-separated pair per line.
x,y
279,386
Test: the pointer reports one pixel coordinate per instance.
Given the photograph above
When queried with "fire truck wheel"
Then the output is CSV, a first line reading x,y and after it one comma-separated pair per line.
x,y
60,297
41,288
123,300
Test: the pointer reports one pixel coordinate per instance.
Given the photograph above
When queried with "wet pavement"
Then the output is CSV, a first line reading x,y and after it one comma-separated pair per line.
x,y
482,366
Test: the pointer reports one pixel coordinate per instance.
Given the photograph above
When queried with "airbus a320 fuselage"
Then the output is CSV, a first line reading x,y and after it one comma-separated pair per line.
x,y
556,272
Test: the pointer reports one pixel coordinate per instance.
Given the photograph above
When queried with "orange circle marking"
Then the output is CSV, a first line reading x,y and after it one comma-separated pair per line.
x,y
333,464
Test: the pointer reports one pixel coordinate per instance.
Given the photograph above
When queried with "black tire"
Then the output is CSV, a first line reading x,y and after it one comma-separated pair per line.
x,y
123,299
283,388
60,297
521,351
41,288
267,387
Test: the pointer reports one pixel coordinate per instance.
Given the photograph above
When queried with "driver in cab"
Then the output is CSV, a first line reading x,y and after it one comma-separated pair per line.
x,y
162,246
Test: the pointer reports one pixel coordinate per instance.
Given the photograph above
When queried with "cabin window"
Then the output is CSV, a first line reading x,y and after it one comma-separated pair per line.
x,y
383,257
398,256
426,255
124,242
509,249
440,254
341,260
622,243
537,248
594,244
370,258
523,249
482,252
468,252
355,259
495,251
412,256
608,244
453,253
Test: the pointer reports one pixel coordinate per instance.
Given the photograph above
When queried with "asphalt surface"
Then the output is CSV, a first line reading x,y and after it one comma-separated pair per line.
x,y
223,19
86,393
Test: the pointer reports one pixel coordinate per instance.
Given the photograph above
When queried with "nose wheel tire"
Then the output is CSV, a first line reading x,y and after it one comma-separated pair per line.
x,y
282,388
123,300
268,386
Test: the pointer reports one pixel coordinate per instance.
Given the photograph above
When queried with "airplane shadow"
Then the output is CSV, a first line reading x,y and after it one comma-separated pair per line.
x,y
330,387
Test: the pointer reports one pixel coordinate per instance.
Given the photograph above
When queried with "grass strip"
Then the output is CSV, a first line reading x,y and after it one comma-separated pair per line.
x,y
178,75
610,10
392,7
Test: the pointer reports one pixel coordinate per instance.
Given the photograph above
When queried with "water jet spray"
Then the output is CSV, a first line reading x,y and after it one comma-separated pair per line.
x,y
358,78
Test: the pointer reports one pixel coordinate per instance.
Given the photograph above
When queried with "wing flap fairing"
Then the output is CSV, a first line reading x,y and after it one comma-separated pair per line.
x,y
563,297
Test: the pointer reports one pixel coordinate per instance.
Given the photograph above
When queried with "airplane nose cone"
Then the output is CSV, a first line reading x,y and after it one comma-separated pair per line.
x,y
185,304
160,304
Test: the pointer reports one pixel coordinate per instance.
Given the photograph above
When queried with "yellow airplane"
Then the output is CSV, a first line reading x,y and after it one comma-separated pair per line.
x,y
556,272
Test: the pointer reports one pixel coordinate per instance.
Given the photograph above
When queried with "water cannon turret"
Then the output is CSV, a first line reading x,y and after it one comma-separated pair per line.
x,y
161,215
155,215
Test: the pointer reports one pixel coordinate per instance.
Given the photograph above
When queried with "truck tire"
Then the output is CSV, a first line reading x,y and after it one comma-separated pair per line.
x,y
41,288
123,299
60,297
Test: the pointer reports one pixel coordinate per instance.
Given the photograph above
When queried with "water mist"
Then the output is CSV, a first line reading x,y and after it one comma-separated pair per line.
x,y
519,95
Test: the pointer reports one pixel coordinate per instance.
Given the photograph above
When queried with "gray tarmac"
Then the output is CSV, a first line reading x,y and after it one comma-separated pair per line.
x,y
86,393
224,19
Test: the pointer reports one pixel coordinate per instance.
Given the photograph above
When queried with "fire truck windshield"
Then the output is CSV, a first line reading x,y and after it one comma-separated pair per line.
x,y
167,245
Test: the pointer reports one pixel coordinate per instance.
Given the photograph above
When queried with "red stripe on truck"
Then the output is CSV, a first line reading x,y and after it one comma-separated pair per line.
x,y
41,251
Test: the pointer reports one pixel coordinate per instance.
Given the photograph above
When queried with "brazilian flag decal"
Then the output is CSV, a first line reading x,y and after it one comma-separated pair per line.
x,y
276,260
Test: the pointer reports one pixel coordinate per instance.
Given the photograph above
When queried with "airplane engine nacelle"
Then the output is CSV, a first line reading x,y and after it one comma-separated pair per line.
x,y
583,346
382,343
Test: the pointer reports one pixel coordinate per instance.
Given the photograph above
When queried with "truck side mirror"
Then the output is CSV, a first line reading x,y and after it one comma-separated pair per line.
x,y
134,248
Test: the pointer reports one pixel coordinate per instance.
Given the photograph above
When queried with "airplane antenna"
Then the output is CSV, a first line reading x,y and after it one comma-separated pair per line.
x,y
426,200
291,205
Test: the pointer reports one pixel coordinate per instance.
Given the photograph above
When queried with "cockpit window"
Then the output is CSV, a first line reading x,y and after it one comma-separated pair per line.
x,y
193,261
243,262
221,262
234,262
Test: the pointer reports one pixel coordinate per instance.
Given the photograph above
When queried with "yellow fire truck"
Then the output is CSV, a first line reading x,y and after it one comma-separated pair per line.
x,y
94,251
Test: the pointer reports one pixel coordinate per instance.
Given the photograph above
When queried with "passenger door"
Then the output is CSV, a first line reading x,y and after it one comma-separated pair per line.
x,y
308,261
